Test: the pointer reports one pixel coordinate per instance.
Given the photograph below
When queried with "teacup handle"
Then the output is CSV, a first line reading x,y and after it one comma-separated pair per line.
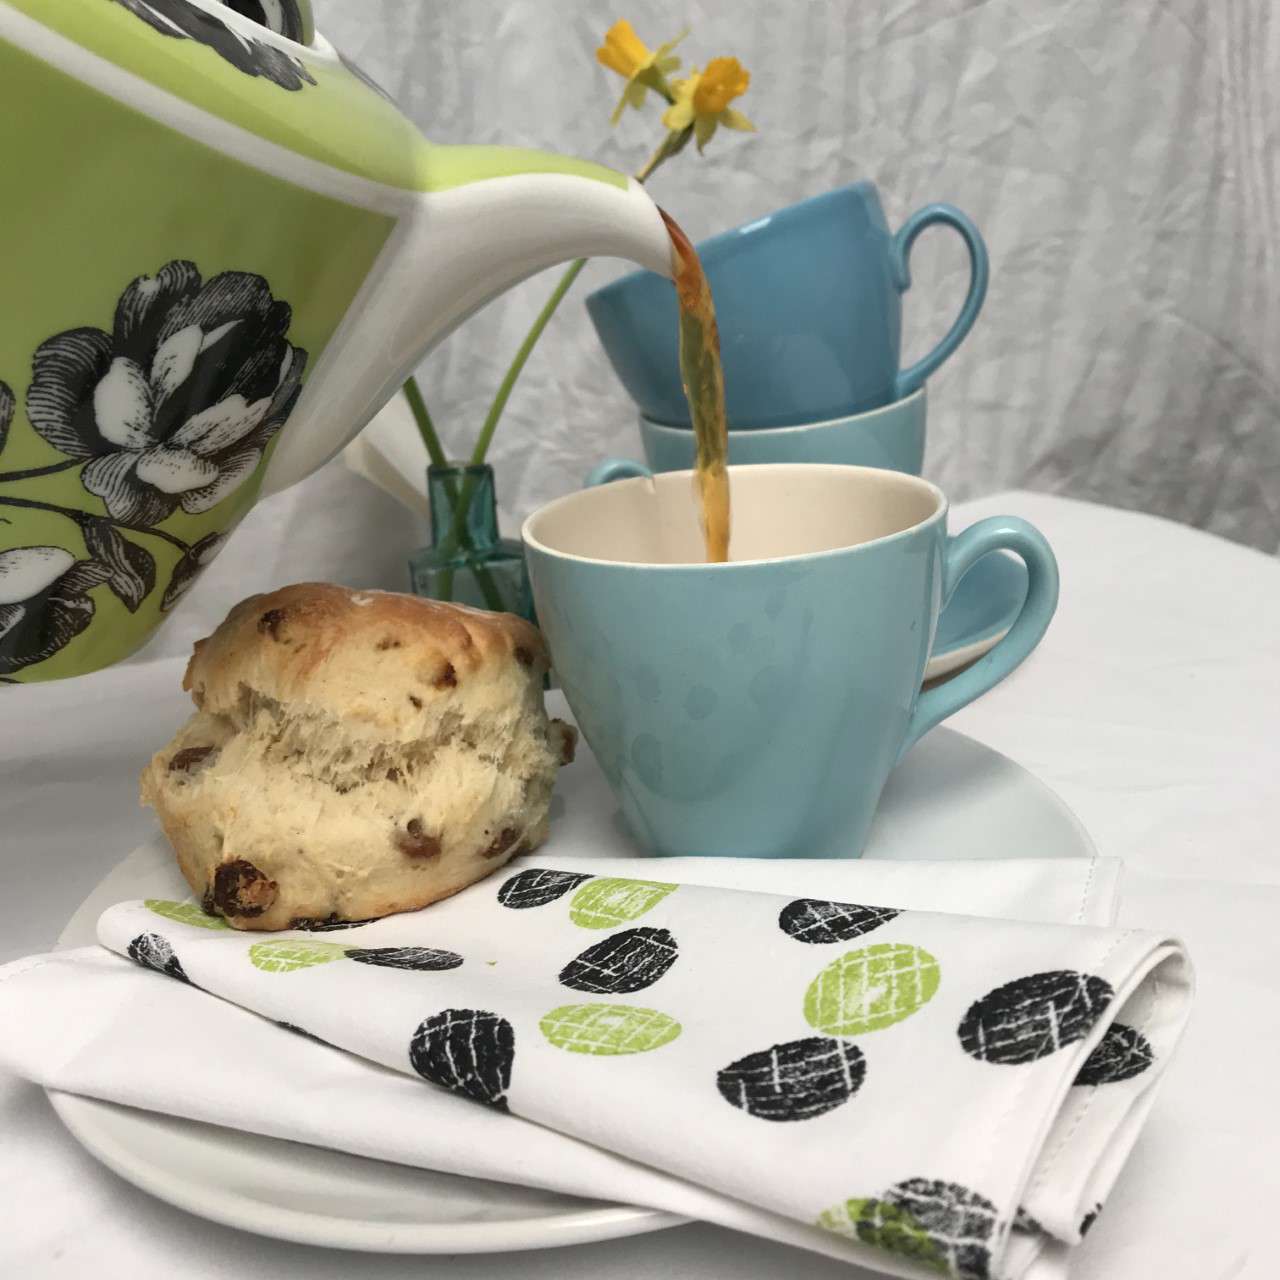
x,y
615,469
998,533
913,379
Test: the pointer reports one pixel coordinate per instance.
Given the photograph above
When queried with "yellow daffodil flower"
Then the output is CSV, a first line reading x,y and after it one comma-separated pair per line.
x,y
702,100
643,69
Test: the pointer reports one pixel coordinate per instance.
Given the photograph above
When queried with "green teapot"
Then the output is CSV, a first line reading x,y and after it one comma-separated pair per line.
x,y
223,248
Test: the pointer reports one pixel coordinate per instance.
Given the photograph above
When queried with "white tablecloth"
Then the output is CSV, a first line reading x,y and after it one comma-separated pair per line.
x,y
1152,707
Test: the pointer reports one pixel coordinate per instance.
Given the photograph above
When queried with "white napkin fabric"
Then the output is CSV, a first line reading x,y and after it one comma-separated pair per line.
x,y
920,1093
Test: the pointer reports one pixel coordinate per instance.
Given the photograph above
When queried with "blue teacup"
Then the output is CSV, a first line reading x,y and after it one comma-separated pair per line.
x,y
809,304
756,708
891,437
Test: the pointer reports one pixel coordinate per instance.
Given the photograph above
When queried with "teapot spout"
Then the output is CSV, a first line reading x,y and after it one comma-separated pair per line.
x,y
456,249
480,239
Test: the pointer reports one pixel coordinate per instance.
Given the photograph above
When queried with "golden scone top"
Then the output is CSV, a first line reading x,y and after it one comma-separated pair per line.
x,y
360,653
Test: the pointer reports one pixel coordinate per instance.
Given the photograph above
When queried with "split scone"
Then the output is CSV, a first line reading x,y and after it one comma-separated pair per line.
x,y
354,754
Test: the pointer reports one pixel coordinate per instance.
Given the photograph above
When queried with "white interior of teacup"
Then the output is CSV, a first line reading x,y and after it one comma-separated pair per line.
x,y
777,510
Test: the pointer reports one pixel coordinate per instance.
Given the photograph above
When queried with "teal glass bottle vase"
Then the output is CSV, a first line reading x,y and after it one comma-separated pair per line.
x,y
467,562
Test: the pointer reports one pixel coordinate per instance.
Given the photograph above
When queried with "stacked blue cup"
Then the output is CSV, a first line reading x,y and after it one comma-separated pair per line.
x,y
809,304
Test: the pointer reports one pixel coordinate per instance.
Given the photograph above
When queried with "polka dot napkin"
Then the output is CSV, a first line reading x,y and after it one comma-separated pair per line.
x,y
924,1093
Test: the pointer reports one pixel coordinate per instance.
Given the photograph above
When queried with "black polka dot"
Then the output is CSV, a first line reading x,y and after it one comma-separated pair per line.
x,y
795,1081
960,1223
1023,1221
1089,1219
152,951
813,920
1033,1016
622,963
425,958
468,1051
328,924
1122,1053
536,888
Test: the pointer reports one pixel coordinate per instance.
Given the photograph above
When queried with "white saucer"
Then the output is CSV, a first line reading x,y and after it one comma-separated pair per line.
x,y
952,797
978,616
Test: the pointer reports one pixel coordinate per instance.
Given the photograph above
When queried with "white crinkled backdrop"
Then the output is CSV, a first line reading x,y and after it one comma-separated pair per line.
x,y
1121,161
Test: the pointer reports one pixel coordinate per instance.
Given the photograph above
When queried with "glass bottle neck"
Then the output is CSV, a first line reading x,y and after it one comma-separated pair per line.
x,y
452,488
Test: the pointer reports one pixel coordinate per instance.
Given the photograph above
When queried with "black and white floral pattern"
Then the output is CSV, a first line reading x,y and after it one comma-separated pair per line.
x,y
173,409
7,406
190,566
281,16
44,602
183,20
176,405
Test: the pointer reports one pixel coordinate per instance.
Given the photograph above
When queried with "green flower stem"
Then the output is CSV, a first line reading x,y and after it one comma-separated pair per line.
x,y
72,514
457,537
488,589
674,143
426,428
522,355
32,472
484,580
657,80
463,504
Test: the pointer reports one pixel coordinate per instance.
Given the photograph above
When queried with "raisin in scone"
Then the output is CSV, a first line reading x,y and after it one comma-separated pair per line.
x,y
354,754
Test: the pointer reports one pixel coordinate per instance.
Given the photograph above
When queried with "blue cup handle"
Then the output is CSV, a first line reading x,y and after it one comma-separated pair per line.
x,y
913,379
998,533
615,469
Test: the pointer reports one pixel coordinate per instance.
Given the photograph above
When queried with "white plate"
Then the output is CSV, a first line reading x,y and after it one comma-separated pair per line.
x,y
952,797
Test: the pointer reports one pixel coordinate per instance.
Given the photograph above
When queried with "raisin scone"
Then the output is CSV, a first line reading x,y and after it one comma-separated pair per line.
x,y
354,754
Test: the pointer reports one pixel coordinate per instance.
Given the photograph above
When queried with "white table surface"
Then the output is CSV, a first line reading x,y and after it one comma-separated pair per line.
x,y
1152,707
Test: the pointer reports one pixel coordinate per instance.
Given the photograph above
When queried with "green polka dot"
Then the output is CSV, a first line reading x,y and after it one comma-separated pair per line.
x,y
884,1226
185,913
607,903
871,988
608,1028
842,1219
285,957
